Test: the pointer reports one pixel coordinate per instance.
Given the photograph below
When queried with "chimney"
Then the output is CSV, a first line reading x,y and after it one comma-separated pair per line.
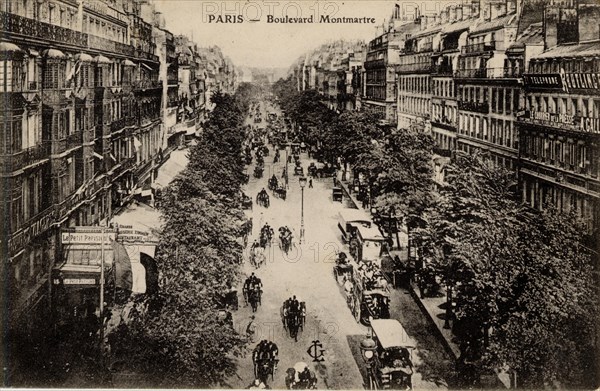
x,y
486,12
424,22
475,8
459,13
510,7
444,17
452,14
498,10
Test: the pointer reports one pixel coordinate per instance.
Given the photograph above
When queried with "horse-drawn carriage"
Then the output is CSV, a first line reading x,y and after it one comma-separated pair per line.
x,y
285,239
293,317
266,235
298,170
326,171
391,363
265,359
312,169
257,257
262,198
258,170
246,202
252,292
273,183
280,192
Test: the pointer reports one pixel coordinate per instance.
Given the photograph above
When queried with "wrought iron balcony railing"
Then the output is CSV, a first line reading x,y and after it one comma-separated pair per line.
x,y
488,73
482,47
16,24
477,107
24,157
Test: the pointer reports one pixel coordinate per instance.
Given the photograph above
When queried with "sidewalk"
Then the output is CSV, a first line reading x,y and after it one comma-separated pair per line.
x,y
434,309
430,305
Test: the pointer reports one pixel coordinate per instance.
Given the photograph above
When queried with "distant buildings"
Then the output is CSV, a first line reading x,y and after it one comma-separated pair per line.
x,y
90,109
517,80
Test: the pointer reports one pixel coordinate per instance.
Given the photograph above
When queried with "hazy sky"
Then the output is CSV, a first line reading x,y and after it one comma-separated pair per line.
x,y
262,44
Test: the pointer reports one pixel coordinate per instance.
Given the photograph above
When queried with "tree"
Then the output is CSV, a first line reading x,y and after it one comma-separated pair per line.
x,y
522,278
175,337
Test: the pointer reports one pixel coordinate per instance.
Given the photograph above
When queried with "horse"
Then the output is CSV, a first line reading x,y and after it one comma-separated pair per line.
x,y
285,243
254,299
293,324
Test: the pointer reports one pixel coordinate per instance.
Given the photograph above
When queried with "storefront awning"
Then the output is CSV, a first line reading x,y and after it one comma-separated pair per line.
x,y
129,63
102,60
54,53
83,57
7,47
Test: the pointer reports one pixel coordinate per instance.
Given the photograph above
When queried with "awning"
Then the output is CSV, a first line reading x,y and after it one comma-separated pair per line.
x,y
87,254
189,109
83,57
98,155
148,67
53,53
100,59
129,63
7,47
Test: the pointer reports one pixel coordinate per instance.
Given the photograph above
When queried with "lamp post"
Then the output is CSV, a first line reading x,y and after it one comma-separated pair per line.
x,y
367,348
302,184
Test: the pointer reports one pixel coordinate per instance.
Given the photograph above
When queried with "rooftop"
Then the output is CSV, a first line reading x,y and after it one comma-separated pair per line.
x,y
578,50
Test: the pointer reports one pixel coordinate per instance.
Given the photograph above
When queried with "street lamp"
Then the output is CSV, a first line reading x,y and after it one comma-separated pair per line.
x,y
368,348
302,184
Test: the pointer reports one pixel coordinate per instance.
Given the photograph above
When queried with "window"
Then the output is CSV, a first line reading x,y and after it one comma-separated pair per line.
x,y
54,74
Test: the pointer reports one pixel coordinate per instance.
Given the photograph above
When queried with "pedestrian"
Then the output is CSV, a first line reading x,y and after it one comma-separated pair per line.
x,y
251,329
310,185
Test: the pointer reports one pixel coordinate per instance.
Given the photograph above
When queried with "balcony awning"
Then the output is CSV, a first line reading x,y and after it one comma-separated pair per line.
x,y
102,60
7,47
129,63
83,57
53,53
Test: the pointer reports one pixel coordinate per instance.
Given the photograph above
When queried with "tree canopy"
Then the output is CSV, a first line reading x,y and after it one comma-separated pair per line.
x,y
176,338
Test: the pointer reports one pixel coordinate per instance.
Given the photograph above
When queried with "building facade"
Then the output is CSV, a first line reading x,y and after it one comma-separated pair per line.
x,y
559,129
87,88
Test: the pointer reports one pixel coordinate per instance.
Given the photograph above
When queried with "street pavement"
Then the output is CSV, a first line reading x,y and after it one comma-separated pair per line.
x,y
307,273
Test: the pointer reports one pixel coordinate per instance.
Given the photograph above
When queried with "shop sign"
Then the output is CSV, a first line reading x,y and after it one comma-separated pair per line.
x,y
581,81
37,227
79,281
87,235
74,278
561,120
543,81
